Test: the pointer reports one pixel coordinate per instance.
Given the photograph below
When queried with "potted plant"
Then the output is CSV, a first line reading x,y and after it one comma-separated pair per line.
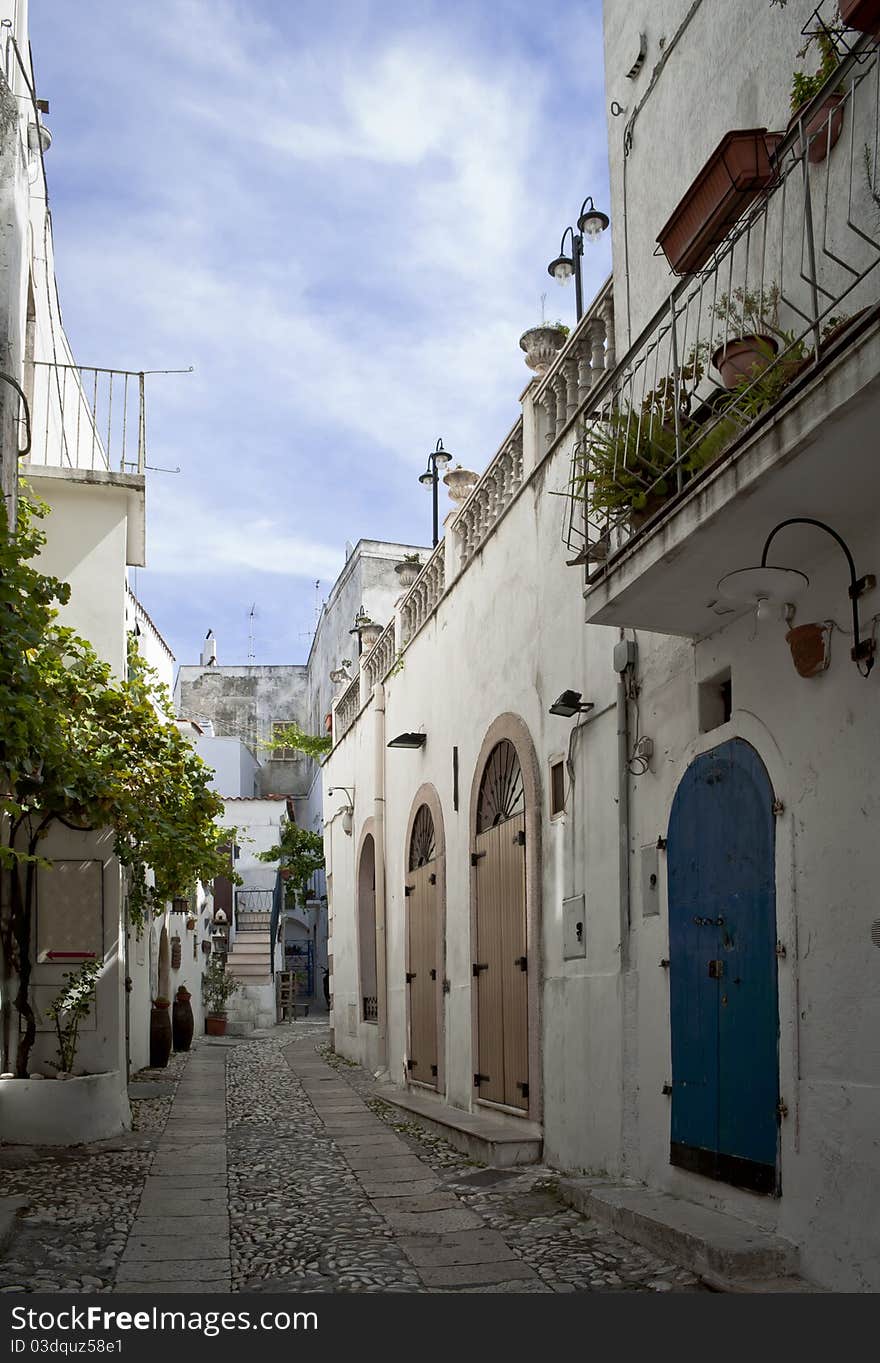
x,y
408,569
542,344
824,126
69,1007
218,986
863,15
739,169
749,343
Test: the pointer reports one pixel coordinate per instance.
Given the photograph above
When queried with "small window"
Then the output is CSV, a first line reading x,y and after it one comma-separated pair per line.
x,y
557,787
279,728
715,701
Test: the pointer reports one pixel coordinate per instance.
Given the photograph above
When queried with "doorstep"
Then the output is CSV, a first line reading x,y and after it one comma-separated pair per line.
x,y
491,1138
729,1255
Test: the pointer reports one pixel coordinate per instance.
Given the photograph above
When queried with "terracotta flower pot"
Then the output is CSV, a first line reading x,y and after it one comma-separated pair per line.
x,y
215,1024
641,515
739,168
744,357
809,648
863,15
816,128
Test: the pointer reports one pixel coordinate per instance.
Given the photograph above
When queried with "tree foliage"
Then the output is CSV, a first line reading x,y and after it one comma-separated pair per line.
x,y
294,737
84,748
301,853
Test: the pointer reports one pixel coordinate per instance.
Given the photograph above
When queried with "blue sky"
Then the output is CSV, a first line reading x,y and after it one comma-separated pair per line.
x,y
341,215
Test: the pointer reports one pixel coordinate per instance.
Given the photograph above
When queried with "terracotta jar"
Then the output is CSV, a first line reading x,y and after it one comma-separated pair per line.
x,y
160,1034
182,1020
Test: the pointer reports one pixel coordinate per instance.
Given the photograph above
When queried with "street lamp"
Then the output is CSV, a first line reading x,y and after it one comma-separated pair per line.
x,y
590,225
437,459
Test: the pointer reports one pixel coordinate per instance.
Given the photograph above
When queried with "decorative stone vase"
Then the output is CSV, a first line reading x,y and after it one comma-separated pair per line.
x,y
370,635
816,129
460,483
161,1039
182,1020
739,169
541,345
215,1024
863,15
744,357
408,571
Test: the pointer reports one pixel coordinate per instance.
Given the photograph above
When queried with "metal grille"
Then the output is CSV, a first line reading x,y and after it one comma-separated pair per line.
x,y
88,418
501,790
422,847
371,1008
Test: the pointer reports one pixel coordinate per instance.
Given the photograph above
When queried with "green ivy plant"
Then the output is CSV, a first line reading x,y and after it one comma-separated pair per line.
x,y
300,853
70,1007
293,736
88,750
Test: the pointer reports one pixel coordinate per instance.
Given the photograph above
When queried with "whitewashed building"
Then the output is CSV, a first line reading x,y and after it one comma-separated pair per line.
x,y
641,931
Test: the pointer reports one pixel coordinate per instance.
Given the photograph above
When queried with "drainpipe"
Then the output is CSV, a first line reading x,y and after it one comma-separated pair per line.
x,y
379,828
624,659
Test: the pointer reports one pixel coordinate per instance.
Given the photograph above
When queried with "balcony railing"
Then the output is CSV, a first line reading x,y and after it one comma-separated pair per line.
x,y
793,275
381,657
347,710
86,418
424,595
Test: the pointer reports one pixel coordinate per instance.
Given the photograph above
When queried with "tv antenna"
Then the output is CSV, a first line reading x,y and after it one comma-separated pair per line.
x,y
309,633
252,615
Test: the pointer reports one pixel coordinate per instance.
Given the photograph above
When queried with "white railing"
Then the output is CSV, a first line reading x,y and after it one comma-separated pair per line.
x,y
347,710
424,595
86,418
579,367
381,657
490,496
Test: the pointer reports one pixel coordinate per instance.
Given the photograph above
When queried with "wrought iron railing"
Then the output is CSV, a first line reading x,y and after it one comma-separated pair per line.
x,y
87,418
792,276
371,1008
277,905
249,903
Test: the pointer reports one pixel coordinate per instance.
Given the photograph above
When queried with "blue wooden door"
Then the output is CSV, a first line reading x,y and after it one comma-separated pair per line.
x,y
722,960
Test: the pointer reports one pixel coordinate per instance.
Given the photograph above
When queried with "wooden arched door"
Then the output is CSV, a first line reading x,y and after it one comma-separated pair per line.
x,y
500,949
423,972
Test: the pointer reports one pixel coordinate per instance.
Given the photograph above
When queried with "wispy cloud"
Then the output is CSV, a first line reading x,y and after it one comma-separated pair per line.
x,y
341,215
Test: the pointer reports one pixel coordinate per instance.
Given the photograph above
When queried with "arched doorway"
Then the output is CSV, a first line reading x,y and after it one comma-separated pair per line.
x,y
722,963
366,887
424,947
500,966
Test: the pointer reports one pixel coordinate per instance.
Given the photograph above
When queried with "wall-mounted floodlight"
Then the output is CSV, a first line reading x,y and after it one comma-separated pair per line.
x,y
409,741
569,704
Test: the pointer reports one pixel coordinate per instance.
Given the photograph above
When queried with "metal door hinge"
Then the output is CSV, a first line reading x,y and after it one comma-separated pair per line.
x,y
524,1089
446,986
716,970
781,1110
434,1071
407,890
781,950
432,879
520,838
522,962
661,843
475,857
480,1079
777,807
666,1090
409,1064
664,963
410,976
478,966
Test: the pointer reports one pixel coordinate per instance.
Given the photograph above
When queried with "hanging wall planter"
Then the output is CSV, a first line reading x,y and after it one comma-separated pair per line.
x,y
738,170
863,15
810,648
816,129
743,357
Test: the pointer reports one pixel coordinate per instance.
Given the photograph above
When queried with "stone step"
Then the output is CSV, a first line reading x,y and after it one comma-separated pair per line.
x,y
491,1138
247,922
250,954
253,974
251,935
729,1254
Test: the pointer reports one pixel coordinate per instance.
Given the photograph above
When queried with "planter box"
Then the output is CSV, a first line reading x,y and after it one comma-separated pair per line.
x,y
738,170
863,15
91,1107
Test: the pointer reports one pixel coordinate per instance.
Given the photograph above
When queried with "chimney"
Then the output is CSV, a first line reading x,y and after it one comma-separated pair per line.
x,y
209,650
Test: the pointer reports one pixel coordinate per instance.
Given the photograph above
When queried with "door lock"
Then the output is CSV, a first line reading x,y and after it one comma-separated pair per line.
x,y
716,970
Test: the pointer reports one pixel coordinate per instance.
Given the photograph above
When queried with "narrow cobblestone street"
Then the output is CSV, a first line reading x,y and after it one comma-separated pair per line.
x,y
272,1167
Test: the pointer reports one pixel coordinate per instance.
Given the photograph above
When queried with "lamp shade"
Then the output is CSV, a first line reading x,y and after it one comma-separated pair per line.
x,y
562,269
749,586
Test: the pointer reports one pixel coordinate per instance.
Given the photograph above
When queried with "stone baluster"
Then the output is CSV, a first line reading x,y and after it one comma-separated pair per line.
x,y
570,369
561,387
607,312
517,451
597,348
585,378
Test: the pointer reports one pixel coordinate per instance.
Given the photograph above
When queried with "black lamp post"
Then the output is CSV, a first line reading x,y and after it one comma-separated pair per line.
x,y
431,477
591,224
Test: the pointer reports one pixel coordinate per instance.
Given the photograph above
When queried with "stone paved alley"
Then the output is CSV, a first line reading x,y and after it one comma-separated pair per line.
x,y
269,1165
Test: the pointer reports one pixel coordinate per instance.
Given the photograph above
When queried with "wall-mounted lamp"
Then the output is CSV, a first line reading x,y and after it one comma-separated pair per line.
x,y
769,588
348,811
569,704
409,741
